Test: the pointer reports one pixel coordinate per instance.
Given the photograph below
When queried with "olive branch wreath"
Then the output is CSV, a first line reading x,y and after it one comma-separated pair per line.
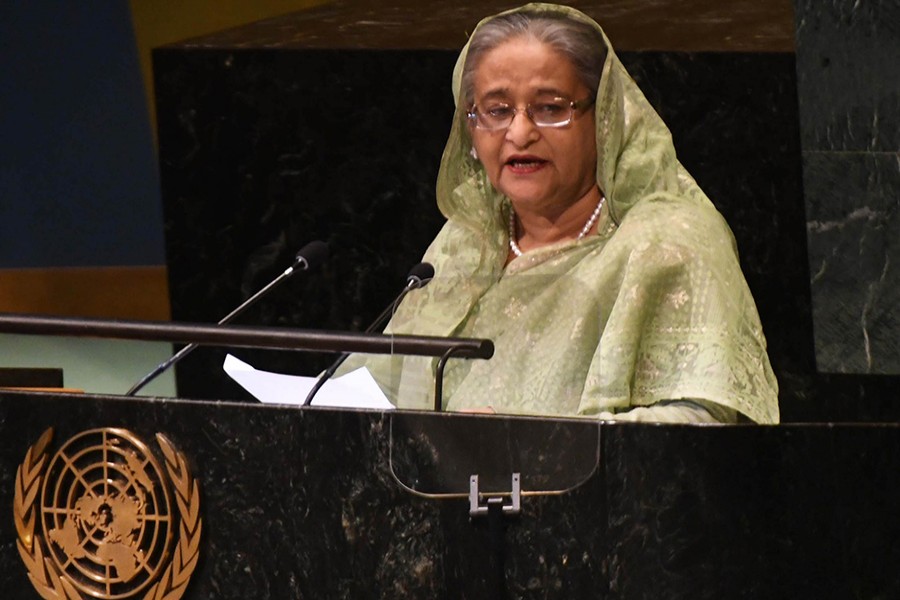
x,y
43,573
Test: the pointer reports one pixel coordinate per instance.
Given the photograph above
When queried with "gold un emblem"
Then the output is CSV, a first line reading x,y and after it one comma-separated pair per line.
x,y
98,520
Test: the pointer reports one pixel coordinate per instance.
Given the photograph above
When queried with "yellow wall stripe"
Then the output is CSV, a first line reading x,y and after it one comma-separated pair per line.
x,y
105,292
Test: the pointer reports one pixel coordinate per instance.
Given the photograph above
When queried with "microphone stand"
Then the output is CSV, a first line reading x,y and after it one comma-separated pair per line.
x,y
418,277
309,256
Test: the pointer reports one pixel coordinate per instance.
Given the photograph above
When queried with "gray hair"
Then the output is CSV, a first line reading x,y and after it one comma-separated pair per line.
x,y
578,41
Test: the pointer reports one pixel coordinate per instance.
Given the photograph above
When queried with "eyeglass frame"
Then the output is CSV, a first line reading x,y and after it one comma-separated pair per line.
x,y
472,114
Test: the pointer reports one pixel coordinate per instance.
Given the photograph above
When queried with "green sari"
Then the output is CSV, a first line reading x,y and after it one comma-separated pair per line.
x,y
651,309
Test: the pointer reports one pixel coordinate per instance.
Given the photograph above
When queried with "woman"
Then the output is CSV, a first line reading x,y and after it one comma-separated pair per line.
x,y
575,241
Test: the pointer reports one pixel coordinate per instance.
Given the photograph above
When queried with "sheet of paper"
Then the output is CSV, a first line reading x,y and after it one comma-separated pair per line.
x,y
356,389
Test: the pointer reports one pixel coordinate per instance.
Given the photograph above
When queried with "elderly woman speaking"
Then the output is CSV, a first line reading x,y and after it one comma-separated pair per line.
x,y
577,242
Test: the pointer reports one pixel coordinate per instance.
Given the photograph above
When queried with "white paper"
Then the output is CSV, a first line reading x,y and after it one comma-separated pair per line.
x,y
356,389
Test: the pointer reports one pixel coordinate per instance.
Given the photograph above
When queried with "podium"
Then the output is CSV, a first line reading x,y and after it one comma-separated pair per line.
x,y
321,503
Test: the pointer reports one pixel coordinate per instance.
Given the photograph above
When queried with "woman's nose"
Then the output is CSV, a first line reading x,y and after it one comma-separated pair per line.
x,y
522,130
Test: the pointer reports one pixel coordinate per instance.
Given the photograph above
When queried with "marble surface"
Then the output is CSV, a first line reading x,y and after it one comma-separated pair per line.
x,y
852,204
847,57
672,25
305,503
849,93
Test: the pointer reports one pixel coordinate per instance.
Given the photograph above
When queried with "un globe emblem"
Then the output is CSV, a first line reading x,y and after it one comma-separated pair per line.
x,y
103,518
105,507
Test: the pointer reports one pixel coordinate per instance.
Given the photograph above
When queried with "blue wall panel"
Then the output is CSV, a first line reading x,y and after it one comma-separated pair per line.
x,y
78,175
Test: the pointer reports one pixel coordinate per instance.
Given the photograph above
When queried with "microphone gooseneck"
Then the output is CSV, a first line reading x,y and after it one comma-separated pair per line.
x,y
418,277
309,257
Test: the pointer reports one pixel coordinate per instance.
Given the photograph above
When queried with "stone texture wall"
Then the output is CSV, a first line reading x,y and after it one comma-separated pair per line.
x,y
848,78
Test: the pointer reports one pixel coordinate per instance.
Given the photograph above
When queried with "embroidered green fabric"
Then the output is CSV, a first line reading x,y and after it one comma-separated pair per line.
x,y
652,308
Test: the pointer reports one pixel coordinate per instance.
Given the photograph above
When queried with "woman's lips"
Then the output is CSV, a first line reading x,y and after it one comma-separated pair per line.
x,y
522,165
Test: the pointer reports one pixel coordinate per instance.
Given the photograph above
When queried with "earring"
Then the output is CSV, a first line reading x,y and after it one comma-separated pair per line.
x,y
473,153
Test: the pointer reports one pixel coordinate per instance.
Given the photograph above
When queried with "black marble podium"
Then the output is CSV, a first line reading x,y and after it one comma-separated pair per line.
x,y
315,503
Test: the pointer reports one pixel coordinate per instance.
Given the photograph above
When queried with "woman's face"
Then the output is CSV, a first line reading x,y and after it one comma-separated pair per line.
x,y
543,169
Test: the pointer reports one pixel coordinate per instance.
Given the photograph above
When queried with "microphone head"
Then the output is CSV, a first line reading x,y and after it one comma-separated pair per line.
x,y
311,255
420,275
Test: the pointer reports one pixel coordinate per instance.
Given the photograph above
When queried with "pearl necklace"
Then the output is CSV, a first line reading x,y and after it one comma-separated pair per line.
x,y
584,230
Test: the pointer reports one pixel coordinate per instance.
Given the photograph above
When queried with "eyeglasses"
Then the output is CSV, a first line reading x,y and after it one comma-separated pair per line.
x,y
549,112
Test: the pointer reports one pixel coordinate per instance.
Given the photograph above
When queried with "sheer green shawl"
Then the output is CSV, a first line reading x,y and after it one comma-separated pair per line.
x,y
652,308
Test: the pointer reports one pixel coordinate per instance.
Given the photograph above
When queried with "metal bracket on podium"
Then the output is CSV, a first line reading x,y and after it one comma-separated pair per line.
x,y
478,508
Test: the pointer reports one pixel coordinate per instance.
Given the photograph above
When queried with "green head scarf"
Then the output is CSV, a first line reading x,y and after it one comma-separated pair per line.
x,y
652,308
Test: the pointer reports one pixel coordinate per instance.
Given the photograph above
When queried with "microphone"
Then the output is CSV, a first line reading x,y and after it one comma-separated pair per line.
x,y
309,257
418,277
